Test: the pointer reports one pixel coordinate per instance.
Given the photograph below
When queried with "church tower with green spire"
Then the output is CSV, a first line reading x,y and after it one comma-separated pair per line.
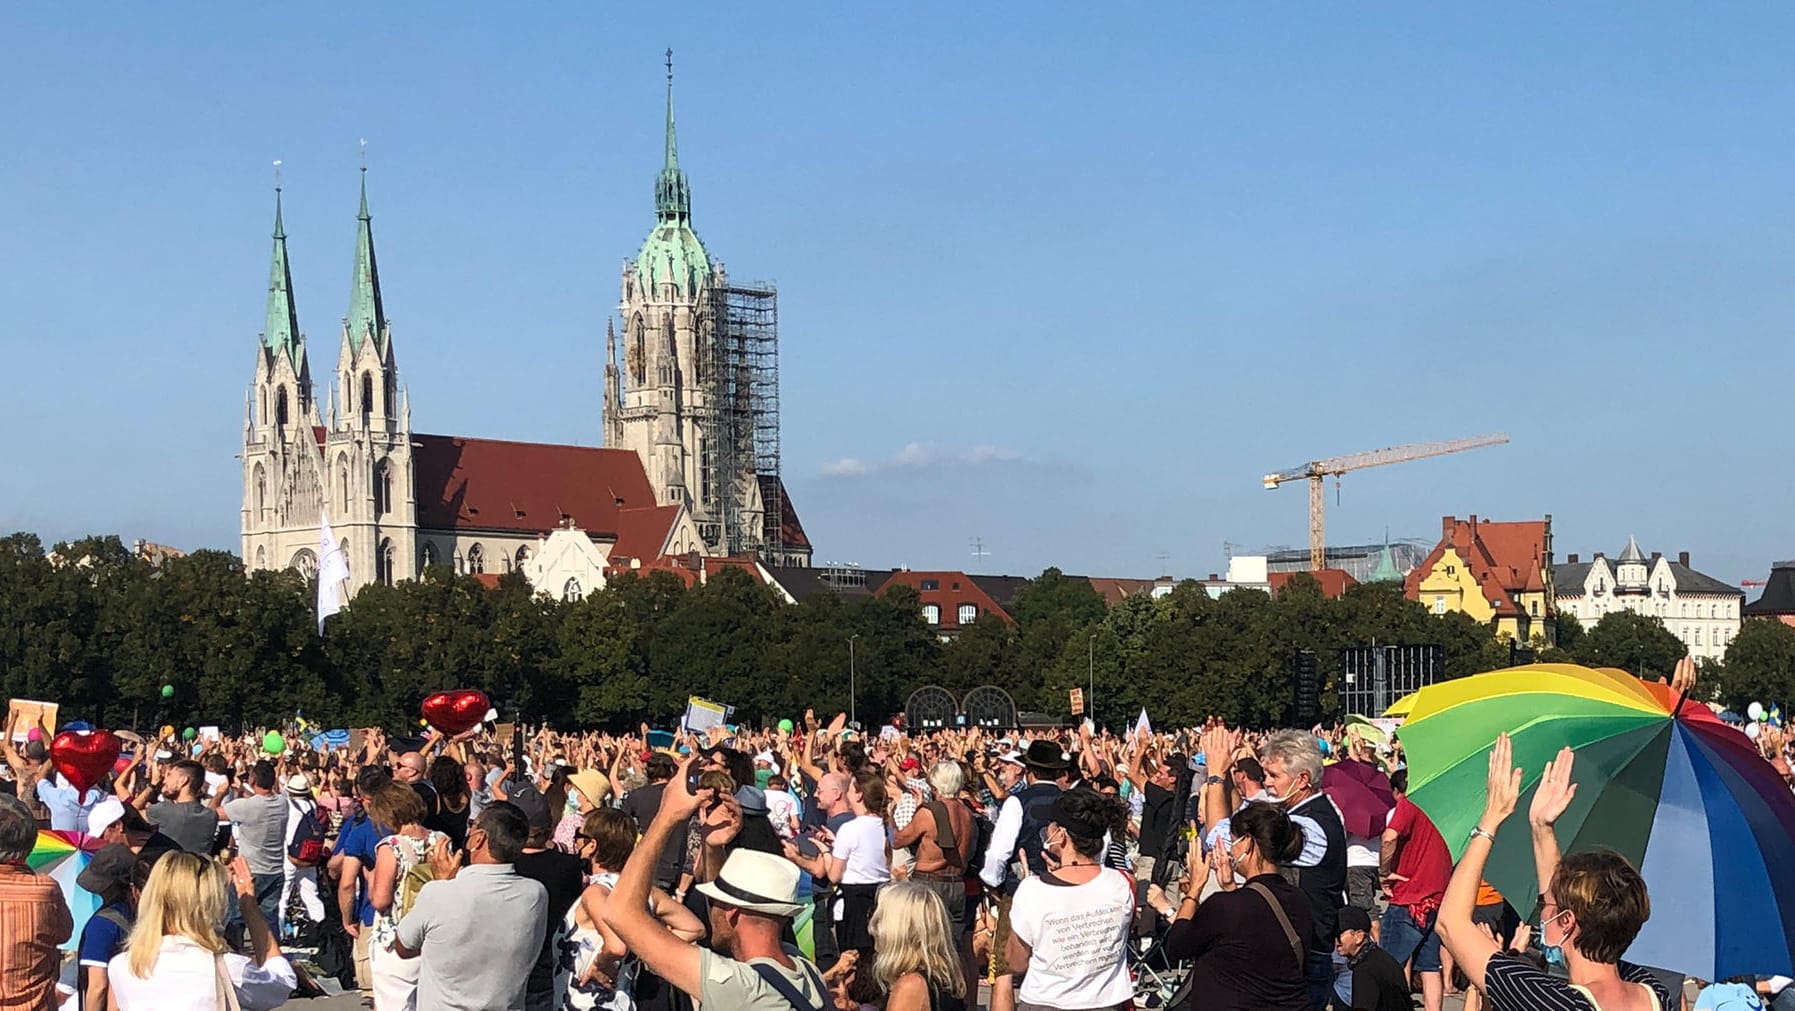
x,y
368,445
281,479
662,403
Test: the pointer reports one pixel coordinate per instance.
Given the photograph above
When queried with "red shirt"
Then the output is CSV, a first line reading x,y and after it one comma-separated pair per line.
x,y
1421,857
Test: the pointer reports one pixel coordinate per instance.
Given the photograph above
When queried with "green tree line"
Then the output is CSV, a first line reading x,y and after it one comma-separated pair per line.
x,y
101,631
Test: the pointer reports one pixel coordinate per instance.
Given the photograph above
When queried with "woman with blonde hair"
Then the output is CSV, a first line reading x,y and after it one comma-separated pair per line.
x,y
177,957
913,952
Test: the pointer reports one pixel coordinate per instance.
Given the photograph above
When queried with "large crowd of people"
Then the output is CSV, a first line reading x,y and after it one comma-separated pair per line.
x,y
803,867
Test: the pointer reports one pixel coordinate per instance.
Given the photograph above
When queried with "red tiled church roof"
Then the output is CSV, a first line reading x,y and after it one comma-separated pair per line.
x,y
525,487
791,532
642,533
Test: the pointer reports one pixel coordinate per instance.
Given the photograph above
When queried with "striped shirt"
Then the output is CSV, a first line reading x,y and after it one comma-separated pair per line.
x,y
34,922
1514,985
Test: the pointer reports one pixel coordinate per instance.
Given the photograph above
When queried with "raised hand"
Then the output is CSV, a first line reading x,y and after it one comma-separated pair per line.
x,y
1503,788
1554,792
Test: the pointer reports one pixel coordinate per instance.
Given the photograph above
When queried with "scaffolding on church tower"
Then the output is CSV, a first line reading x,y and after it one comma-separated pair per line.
x,y
744,393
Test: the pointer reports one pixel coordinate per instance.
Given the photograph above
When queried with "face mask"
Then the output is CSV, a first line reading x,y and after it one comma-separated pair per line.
x,y
1554,952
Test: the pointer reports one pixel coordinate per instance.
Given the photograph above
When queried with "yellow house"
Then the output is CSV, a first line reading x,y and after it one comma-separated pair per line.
x,y
1488,570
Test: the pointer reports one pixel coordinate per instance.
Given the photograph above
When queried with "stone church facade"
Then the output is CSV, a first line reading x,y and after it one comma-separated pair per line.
x,y
398,501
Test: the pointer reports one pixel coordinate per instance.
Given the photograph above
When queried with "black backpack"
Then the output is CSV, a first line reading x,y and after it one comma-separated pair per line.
x,y
982,829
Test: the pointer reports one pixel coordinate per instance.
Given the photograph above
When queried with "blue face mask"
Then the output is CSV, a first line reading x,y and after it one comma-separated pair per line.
x,y
1554,954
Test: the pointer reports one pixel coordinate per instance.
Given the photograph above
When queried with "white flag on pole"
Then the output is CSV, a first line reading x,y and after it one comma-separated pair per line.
x,y
333,571
1141,726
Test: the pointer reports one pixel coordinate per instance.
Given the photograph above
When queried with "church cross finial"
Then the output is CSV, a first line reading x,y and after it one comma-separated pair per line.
x,y
669,68
277,175
364,154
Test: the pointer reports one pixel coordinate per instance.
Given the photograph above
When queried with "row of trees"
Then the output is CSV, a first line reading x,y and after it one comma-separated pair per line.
x,y
102,631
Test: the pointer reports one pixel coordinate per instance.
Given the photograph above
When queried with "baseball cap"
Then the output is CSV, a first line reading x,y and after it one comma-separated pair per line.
x,y
910,764
530,801
104,814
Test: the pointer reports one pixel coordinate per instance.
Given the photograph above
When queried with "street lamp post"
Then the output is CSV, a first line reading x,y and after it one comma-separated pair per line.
x,y
852,718
1090,656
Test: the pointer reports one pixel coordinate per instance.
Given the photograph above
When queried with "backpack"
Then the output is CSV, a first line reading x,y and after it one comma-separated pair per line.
x,y
307,847
412,882
982,829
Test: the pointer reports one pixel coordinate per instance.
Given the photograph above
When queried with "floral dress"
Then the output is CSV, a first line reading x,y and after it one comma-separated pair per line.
x,y
408,853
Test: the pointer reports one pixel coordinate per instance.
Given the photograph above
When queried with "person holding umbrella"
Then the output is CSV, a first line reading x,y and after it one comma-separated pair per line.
x,y
1593,906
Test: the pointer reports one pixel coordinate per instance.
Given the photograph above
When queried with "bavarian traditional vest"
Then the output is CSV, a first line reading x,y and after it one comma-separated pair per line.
x,y
1035,798
1325,883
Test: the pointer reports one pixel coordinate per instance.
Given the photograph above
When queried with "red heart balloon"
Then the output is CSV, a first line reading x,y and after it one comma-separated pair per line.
x,y
456,712
84,756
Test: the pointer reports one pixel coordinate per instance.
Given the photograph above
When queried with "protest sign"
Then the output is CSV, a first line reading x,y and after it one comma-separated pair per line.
x,y
1077,702
702,714
25,714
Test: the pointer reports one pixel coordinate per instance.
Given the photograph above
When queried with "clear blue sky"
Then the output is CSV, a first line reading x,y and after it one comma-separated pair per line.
x,y
1059,278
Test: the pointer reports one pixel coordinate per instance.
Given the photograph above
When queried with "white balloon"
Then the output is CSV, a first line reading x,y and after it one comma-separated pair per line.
x,y
1755,711
1751,731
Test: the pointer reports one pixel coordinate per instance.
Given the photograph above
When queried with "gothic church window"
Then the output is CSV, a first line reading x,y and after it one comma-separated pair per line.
x,y
570,591
383,564
280,407
367,396
523,555
261,492
343,483
261,557
476,560
383,489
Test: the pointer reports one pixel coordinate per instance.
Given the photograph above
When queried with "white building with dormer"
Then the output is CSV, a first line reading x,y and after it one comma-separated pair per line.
x,y
1698,609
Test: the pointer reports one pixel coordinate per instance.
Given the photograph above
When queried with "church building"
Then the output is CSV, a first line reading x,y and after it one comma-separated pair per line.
x,y
690,426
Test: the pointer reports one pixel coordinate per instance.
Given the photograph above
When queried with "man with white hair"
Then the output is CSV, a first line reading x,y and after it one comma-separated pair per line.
x,y
943,833
1292,762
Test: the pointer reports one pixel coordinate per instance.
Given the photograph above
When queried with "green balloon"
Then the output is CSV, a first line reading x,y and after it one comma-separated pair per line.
x,y
274,743
785,726
168,691
189,734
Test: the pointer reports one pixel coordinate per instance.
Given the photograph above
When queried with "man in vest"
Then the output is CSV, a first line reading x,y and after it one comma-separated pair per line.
x,y
1292,762
1018,836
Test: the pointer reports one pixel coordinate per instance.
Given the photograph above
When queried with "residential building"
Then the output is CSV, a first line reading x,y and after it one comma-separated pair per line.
x,y
1778,599
679,475
1698,609
1494,572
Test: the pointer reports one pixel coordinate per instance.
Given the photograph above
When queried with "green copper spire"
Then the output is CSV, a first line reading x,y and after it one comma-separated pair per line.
x,y
673,253
366,317
672,195
1386,570
281,331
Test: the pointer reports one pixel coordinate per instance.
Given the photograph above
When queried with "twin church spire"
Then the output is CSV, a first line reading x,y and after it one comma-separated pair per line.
x,y
366,319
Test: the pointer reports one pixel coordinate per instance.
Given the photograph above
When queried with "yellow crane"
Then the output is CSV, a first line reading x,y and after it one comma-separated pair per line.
x,y
1317,471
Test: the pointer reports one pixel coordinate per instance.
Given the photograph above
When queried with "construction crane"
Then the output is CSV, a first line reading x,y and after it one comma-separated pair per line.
x,y
1317,471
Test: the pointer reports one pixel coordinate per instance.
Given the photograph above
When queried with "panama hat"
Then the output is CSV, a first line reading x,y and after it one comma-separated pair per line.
x,y
758,882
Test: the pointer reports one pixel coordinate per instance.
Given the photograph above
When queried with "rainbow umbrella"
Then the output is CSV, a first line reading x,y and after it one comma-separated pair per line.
x,y
63,855
1683,796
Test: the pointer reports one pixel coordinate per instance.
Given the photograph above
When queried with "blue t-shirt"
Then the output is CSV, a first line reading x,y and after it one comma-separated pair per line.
x,y
358,839
101,938
68,807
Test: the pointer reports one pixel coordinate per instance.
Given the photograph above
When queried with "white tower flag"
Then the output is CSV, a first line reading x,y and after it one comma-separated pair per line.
x,y
333,571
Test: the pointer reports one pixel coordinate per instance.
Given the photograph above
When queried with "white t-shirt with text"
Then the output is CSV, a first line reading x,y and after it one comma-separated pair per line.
x,y
1077,937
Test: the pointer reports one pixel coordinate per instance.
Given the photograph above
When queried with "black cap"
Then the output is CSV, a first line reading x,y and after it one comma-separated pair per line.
x,y
110,867
533,804
1353,918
